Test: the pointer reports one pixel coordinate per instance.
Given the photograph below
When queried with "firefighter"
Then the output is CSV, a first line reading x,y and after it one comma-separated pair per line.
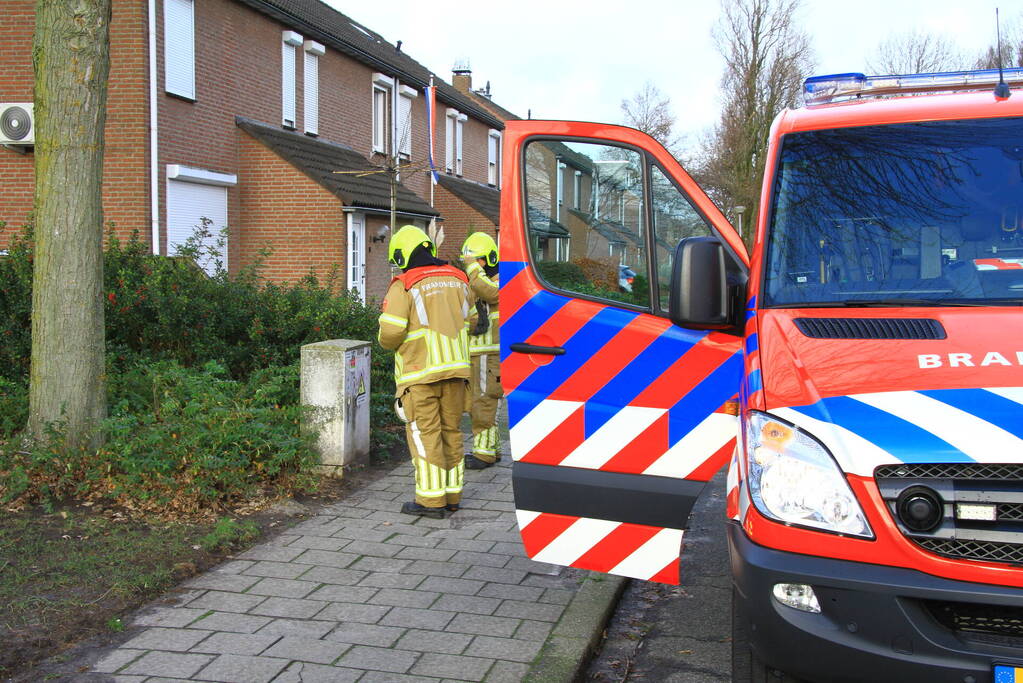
x,y
424,321
479,253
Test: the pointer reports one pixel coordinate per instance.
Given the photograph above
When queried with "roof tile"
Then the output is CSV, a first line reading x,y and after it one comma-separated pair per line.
x,y
319,159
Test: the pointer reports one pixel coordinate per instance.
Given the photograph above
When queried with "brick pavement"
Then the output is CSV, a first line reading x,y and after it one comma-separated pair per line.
x,y
362,593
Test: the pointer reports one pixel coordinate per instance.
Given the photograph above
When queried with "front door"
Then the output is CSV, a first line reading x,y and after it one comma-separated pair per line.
x,y
357,254
617,416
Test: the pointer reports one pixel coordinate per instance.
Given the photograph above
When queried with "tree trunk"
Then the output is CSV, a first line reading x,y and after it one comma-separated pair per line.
x,y
72,60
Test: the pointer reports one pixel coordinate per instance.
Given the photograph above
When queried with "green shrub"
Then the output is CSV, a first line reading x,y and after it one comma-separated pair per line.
x,y
13,406
179,440
640,294
16,307
572,277
562,274
202,377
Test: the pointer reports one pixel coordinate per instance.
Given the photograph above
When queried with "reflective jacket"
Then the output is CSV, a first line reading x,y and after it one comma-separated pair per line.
x,y
424,320
485,289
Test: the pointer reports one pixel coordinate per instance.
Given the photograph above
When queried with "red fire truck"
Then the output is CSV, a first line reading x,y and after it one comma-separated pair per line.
x,y
859,370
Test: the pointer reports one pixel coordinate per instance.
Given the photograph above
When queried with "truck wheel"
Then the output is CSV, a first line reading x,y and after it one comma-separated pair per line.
x,y
746,666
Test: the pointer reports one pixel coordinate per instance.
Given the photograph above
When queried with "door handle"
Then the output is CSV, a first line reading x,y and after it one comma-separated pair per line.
x,y
522,347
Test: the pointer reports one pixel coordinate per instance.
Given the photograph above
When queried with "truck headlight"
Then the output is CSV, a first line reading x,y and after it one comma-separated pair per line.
x,y
793,479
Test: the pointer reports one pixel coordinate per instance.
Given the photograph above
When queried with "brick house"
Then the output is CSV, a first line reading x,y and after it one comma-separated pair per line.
x,y
274,120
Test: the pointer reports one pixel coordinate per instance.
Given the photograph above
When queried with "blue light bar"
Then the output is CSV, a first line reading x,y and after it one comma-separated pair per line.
x,y
834,87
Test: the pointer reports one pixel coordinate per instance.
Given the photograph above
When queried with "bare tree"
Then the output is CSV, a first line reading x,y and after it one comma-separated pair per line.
x,y
649,110
916,53
767,57
1012,47
71,56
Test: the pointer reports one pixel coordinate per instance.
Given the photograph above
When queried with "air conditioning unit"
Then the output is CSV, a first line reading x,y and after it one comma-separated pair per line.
x,y
17,125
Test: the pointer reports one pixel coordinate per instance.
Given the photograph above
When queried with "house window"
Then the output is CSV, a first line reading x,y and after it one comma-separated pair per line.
x,y
382,89
179,47
404,128
494,157
290,40
197,212
450,125
577,190
311,86
561,190
459,126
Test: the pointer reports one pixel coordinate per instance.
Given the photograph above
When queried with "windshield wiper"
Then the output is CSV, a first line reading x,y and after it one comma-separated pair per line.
x,y
888,303
892,303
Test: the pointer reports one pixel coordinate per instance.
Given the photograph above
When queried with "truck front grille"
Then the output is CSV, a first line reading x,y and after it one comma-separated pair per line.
x,y
998,487
969,618
1011,553
972,471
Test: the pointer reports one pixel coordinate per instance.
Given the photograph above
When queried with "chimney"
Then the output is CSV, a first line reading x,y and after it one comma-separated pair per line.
x,y
461,76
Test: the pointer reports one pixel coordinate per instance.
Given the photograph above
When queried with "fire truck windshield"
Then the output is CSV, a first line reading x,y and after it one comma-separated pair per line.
x,y
904,214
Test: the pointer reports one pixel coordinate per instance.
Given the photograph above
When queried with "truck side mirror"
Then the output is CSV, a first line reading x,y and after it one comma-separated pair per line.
x,y
700,296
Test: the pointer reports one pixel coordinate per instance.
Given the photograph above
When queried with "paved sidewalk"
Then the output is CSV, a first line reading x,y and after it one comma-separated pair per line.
x,y
362,593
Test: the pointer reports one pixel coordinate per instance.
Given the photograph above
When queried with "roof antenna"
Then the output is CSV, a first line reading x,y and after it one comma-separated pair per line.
x,y
1002,91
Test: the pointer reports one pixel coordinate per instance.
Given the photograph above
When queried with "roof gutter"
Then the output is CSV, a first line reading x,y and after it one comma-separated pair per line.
x,y
387,212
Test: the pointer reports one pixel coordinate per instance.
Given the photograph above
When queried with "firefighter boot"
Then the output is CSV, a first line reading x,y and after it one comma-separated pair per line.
x,y
414,508
474,463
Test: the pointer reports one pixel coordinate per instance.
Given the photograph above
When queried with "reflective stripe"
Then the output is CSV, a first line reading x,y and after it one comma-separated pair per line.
x,y
455,476
430,479
417,298
483,373
428,371
393,319
433,351
447,354
417,439
485,442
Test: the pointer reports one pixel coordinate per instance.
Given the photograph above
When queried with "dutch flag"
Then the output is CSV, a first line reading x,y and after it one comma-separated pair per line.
x,y
431,107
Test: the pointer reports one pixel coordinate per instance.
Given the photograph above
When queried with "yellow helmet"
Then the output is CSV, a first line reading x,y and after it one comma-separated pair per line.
x,y
480,245
405,241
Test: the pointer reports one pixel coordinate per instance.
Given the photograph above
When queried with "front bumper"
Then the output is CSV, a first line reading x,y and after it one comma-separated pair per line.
x,y
874,623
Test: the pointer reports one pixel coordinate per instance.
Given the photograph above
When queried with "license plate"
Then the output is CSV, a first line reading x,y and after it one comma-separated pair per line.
x,y
1005,673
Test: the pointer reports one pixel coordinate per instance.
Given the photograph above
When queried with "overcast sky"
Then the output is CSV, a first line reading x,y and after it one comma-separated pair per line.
x,y
568,59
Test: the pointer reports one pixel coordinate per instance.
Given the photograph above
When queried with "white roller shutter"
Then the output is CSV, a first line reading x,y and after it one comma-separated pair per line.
x,y
288,84
458,145
405,125
493,156
187,204
179,47
311,93
449,140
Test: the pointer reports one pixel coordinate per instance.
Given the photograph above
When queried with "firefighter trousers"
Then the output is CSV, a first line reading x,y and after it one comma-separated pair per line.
x,y
485,381
432,413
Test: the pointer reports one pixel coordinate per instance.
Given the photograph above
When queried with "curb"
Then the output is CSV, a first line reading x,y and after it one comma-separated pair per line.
x,y
565,653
